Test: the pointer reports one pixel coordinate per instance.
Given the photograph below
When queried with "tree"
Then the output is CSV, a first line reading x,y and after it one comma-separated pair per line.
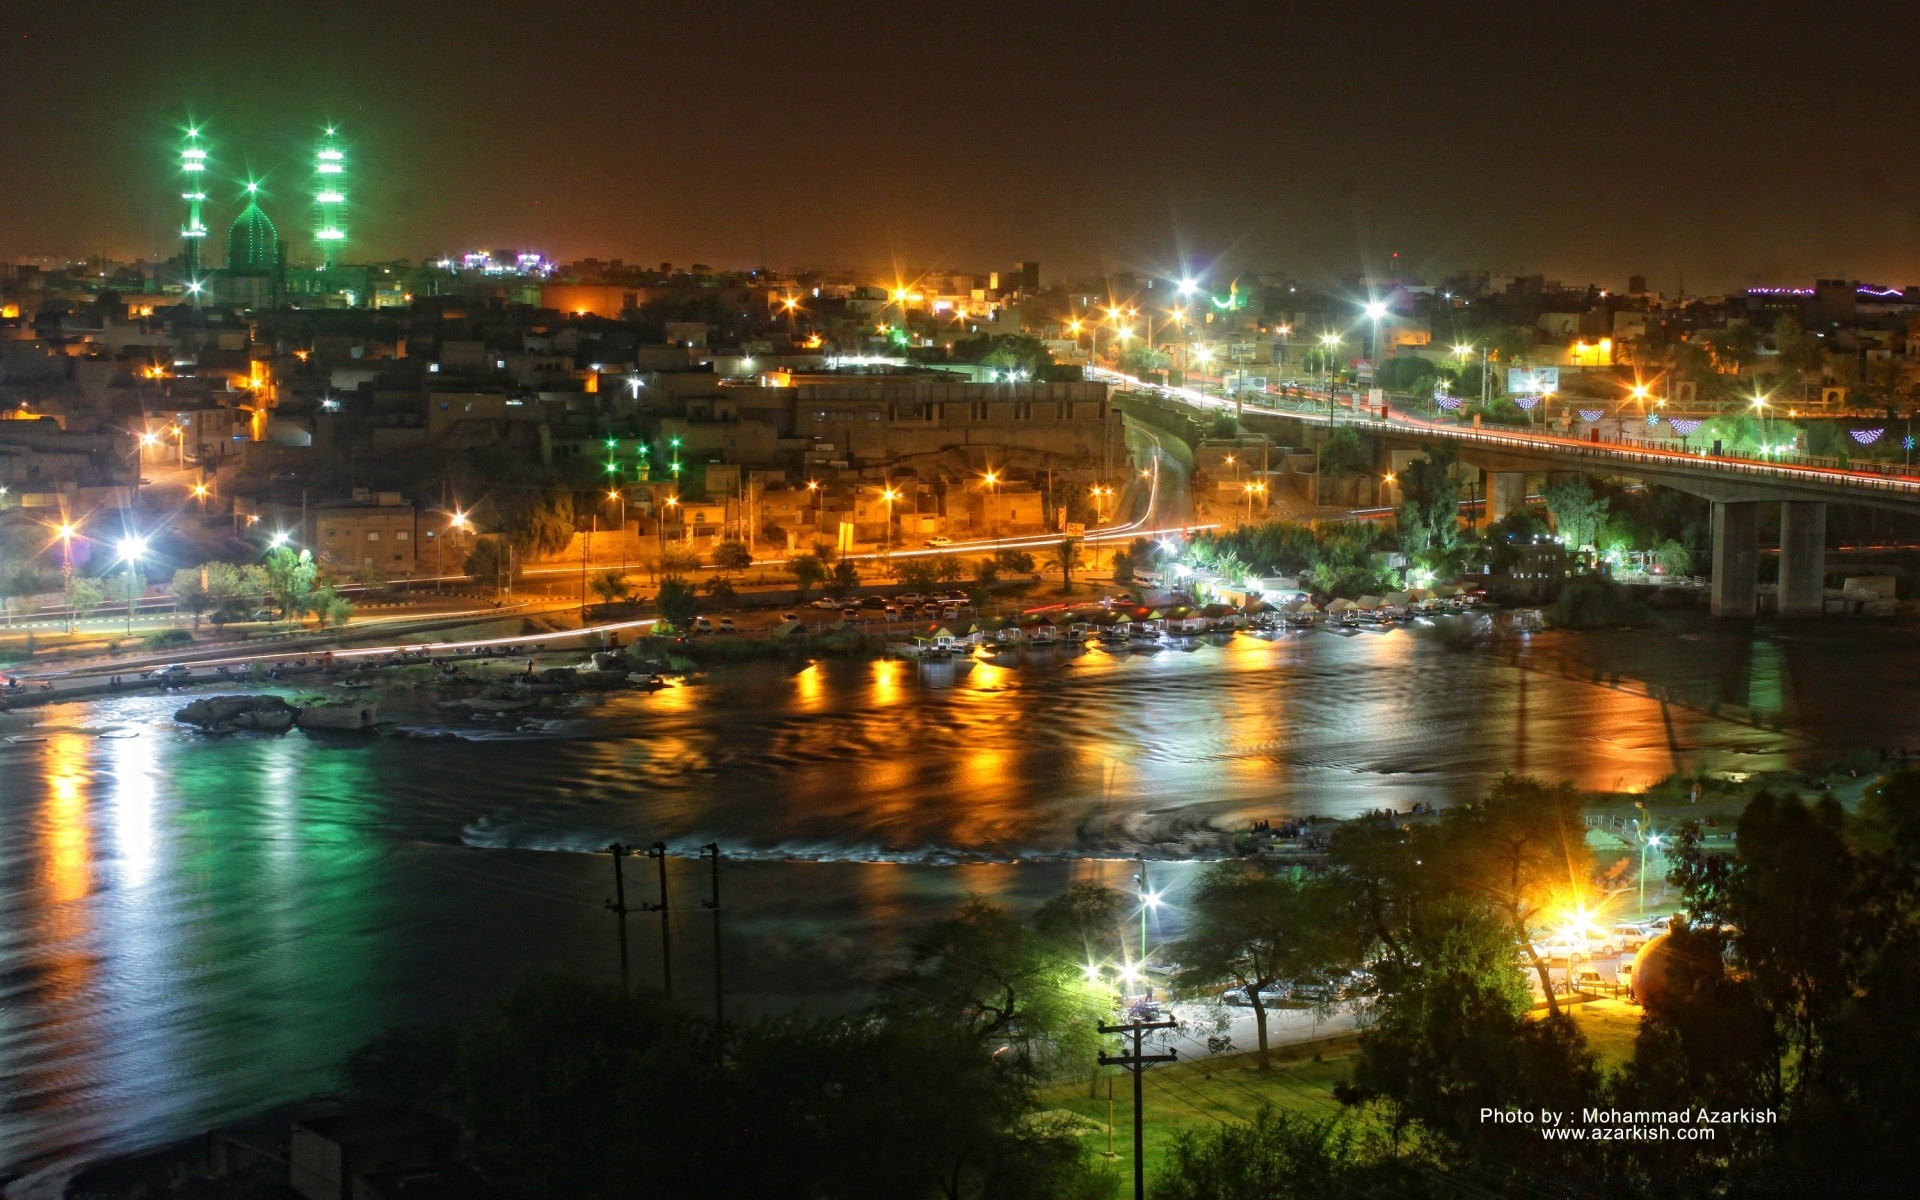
x,y
1800,354
720,592
189,590
1123,565
611,586
1407,375
732,555
1673,558
1578,513
490,563
1014,562
680,560
844,577
538,521
291,579
946,568
982,972
84,594
985,570
1342,453
330,608
678,602
1429,514
1065,558
808,572
1274,1155
1251,928
235,592
915,574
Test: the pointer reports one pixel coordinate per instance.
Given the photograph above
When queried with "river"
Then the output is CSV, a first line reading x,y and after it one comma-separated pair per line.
x,y
192,927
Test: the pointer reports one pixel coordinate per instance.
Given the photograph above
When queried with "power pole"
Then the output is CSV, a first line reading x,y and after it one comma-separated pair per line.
x,y
1138,1062
618,906
713,849
658,853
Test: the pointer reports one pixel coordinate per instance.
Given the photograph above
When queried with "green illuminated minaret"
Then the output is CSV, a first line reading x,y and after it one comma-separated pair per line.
x,y
193,165
329,168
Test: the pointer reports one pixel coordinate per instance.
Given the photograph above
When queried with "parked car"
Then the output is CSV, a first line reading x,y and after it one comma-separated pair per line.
x,y
872,602
1272,994
892,613
1622,939
174,673
849,614
702,625
826,602
789,616
939,539
1586,979
908,598
726,625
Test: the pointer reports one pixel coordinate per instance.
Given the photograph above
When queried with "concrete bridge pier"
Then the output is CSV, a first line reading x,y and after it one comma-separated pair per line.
x,y
1506,493
1803,557
1736,558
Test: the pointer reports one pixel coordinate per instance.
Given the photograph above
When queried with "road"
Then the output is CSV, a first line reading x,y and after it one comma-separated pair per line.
x,y
1626,454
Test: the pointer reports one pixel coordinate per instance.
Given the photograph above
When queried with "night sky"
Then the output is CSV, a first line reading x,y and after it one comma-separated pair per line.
x,y
1726,144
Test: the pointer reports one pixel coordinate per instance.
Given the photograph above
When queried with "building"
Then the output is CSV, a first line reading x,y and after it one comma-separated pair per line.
x,y
370,529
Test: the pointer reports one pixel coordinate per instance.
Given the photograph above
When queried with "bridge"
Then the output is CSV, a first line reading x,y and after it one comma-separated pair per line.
x,y
1734,486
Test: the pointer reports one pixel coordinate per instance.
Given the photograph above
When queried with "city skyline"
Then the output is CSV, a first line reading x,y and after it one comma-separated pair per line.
x,y
1095,145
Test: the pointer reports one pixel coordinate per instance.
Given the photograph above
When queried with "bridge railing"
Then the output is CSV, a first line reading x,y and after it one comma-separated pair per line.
x,y
1888,478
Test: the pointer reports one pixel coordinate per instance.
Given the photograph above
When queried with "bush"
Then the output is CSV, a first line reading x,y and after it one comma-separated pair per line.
x,y
166,639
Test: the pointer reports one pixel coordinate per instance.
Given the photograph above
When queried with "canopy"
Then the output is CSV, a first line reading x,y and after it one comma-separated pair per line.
x,y
1307,606
787,629
1448,589
1367,602
1399,599
1341,605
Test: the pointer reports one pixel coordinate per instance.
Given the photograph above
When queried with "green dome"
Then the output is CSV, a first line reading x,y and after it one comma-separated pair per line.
x,y
253,245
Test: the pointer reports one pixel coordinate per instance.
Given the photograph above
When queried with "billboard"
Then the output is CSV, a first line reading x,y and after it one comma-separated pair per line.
x,y
1533,381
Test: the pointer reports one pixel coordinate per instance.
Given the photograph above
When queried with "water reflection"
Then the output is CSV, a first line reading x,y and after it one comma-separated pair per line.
x,y
191,927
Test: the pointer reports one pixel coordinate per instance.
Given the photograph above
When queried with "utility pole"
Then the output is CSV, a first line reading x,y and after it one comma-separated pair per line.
x,y
658,853
1137,1063
712,849
618,906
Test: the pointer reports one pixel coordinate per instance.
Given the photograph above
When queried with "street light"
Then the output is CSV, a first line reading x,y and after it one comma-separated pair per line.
x,y
458,520
66,532
132,549
992,480
1253,489
889,495
1376,310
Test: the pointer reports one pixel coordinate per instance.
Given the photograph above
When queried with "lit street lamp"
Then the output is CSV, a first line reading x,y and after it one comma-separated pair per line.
x,y
65,533
1376,310
132,549
889,495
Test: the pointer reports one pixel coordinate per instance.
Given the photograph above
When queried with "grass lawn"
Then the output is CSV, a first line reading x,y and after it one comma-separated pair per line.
x,y
1207,1093
1610,1027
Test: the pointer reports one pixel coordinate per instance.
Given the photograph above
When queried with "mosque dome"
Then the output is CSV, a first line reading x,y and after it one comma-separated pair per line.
x,y
253,245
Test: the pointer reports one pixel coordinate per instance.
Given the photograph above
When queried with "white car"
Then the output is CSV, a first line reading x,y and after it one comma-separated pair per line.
x,y
939,540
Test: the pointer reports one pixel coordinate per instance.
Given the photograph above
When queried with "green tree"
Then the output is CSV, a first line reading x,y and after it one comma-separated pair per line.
x,y
808,572
611,586
720,592
1014,562
189,590
1273,1155
677,559
291,579
1123,565
84,594
330,608
678,603
985,570
1429,513
490,563
1673,558
1579,514
916,573
1250,928
1407,376
946,568
732,555
1065,558
983,972
844,577
1343,453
